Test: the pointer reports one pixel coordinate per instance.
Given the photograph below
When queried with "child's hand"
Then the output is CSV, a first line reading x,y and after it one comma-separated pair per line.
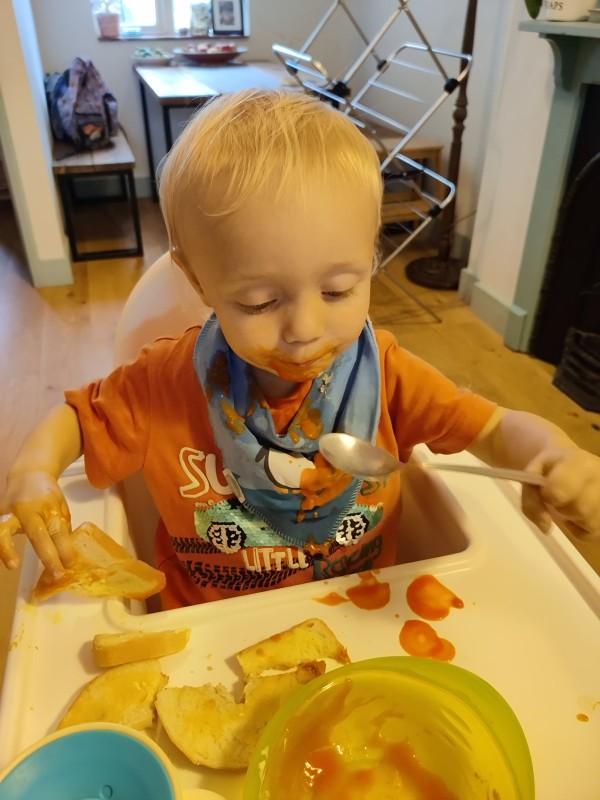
x,y
572,489
34,504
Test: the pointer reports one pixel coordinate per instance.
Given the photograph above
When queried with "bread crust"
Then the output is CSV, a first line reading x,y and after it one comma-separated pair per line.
x,y
212,729
123,694
308,641
112,649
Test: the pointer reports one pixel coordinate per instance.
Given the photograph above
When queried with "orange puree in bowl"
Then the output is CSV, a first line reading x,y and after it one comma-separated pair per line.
x,y
347,746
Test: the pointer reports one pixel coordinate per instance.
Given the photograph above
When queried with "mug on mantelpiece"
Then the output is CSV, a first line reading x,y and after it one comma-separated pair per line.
x,y
567,10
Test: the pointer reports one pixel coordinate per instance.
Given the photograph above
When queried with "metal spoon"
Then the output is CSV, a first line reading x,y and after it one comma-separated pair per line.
x,y
365,460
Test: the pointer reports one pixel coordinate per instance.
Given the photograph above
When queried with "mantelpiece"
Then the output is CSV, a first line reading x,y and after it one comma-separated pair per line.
x,y
576,49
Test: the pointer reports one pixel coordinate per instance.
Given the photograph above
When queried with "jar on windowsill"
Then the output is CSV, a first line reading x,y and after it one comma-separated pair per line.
x,y
201,19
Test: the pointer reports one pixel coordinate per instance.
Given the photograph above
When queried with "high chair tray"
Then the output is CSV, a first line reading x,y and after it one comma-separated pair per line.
x,y
530,626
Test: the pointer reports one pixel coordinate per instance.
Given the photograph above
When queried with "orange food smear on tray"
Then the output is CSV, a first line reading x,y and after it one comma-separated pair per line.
x,y
369,594
332,599
430,599
418,638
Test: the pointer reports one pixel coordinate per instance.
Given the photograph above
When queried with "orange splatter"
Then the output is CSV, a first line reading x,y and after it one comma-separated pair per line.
x,y
430,599
232,418
308,421
320,485
217,375
418,638
582,717
370,593
331,599
313,549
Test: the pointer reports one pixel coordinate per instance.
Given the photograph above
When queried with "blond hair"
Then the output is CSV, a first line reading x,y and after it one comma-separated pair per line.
x,y
244,143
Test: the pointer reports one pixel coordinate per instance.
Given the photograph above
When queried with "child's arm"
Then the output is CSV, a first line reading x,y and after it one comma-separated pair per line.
x,y
33,501
525,441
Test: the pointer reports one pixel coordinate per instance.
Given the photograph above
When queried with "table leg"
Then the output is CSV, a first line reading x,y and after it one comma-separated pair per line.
x,y
166,114
148,135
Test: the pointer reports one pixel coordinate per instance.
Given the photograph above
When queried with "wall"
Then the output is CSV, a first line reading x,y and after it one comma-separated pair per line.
x,y
26,145
513,151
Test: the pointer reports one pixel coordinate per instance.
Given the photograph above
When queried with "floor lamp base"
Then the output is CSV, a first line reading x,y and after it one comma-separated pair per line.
x,y
435,273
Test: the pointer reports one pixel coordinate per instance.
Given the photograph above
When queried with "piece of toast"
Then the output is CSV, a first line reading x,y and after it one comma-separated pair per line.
x,y
112,649
123,694
308,641
211,729
101,568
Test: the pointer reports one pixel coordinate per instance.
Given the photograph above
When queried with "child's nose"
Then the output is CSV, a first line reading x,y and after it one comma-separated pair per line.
x,y
303,323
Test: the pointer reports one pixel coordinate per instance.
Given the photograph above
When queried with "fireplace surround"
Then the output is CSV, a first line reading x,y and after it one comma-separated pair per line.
x,y
532,319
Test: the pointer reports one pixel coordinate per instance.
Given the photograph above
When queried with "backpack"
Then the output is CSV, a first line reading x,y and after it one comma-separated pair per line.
x,y
83,111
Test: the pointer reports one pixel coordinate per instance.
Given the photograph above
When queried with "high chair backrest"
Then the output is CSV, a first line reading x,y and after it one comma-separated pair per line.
x,y
162,303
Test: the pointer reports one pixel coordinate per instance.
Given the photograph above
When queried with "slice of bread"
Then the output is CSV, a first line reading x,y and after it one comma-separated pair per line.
x,y
211,729
101,568
308,641
112,649
122,694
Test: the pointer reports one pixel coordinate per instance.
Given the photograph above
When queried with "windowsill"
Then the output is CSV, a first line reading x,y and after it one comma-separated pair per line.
x,y
170,37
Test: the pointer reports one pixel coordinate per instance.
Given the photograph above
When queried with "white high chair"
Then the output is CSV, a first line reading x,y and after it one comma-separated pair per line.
x,y
162,303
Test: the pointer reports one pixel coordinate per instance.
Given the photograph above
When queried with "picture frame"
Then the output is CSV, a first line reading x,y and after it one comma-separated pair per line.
x,y
227,17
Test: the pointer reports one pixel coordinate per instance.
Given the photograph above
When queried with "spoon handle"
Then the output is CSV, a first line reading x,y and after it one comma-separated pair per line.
x,y
491,472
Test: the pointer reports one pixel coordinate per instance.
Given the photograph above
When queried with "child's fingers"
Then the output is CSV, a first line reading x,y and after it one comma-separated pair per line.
x,y
60,531
9,525
534,508
38,534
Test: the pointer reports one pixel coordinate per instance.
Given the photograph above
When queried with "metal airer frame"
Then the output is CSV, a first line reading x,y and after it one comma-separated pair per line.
x,y
418,80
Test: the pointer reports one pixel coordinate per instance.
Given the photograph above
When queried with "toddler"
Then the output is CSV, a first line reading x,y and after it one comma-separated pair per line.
x,y
272,205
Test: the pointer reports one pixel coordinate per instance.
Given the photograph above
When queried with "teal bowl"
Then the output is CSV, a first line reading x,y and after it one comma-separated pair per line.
x,y
393,727
91,762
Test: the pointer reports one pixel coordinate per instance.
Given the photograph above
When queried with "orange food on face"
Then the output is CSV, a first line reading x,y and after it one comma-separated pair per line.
x,y
430,599
418,638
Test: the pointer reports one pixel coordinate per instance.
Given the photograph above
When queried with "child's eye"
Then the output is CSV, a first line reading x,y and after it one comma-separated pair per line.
x,y
256,309
338,295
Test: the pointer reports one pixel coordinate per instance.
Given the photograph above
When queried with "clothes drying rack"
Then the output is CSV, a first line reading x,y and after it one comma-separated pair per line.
x,y
391,104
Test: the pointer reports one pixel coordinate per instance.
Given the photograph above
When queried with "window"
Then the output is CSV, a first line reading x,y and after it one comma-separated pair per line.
x,y
160,17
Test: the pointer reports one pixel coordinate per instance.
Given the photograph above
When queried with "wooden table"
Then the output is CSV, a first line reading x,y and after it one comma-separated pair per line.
x,y
189,86
117,160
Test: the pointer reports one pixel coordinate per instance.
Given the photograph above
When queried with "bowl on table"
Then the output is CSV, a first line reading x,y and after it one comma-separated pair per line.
x,y
149,57
211,55
393,727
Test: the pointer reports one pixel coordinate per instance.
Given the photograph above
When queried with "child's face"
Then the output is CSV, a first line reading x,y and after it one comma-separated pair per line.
x,y
290,282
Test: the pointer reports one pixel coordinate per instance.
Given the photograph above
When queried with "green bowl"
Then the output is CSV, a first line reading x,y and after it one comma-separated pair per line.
x,y
393,727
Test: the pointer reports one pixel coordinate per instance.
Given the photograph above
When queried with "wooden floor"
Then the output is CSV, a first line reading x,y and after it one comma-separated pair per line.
x,y
59,337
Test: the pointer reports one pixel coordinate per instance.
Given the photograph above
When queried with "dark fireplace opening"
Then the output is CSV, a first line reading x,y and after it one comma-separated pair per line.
x,y
566,330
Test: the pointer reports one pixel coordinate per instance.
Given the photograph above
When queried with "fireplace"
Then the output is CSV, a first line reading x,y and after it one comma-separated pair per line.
x,y
561,258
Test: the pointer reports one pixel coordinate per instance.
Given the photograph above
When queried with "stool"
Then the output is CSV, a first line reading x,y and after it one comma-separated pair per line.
x,y
116,160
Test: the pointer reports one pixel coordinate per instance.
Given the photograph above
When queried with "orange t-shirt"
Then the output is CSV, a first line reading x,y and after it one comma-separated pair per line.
x,y
151,415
